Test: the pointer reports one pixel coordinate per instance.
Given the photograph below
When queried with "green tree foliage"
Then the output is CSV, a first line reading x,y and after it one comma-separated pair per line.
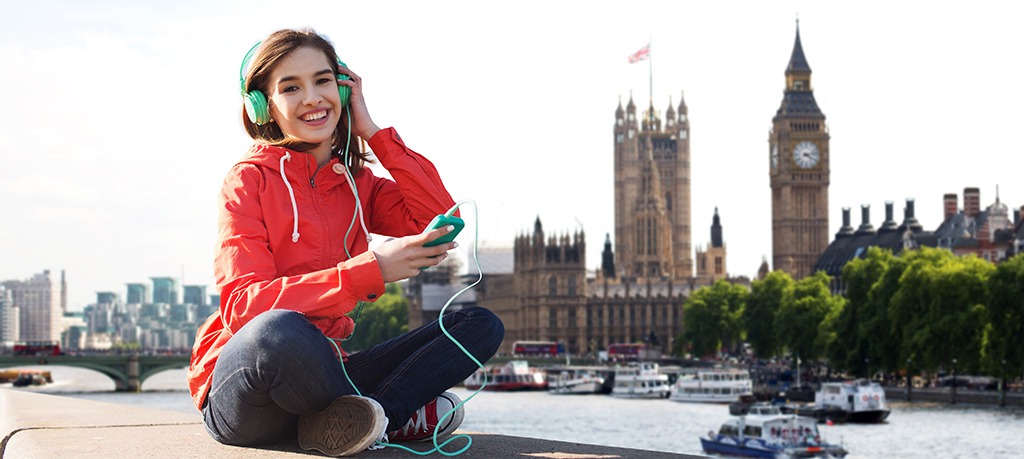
x,y
758,317
712,317
1004,329
384,319
804,309
857,335
940,307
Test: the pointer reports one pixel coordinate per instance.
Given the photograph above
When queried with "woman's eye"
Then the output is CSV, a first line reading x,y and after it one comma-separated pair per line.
x,y
324,81
291,89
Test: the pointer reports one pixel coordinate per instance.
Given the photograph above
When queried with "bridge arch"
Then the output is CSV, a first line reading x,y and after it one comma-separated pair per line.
x,y
127,371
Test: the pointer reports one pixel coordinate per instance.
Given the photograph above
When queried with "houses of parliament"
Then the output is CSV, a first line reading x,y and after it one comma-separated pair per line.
x,y
644,279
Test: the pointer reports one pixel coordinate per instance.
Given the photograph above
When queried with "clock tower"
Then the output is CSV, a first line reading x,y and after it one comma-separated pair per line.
x,y
798,162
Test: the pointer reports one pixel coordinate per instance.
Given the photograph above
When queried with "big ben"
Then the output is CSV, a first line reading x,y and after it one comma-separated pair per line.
x,y
798,161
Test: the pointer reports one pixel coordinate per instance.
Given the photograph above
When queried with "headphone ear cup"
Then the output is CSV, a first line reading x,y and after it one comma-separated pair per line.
x,y
344,92
256,107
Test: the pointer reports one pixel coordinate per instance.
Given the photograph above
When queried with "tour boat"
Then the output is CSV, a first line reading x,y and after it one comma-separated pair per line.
x,y
513,375
863,400
764,432
575,381
712,386
640,380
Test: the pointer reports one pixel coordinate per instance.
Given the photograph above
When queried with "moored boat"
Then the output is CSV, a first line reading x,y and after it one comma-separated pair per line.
x,y
712,386
512,376
640,380
862,400
766,433
576,381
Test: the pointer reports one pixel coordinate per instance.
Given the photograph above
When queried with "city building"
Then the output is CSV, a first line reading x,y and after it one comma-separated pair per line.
x,y
138,294
991,234
165,290
9,319
799,171
711,265
41,302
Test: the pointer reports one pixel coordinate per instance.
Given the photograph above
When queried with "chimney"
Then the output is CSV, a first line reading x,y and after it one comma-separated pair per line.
x,y
972,201
846,230
889,225
949,206
909,221
865,220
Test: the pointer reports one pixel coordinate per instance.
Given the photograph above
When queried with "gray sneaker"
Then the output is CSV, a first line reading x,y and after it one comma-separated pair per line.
x,y
350,424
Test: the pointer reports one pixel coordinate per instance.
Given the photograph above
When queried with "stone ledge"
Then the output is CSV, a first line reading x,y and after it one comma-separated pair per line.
x,y
45,426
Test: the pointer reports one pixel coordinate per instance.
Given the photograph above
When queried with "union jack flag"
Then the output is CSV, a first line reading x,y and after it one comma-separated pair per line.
x,y
642,55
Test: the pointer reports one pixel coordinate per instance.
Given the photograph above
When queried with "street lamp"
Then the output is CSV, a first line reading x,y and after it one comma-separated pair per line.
x,y
954,383
910,381
1002,384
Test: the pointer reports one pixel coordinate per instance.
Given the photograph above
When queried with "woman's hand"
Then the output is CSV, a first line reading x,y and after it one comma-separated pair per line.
x,y
362,125
402,258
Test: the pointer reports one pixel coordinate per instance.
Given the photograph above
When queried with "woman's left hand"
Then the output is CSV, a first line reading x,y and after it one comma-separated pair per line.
x,y
362,124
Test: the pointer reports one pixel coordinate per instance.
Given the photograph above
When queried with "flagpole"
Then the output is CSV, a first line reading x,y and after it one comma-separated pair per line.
x,y
650,74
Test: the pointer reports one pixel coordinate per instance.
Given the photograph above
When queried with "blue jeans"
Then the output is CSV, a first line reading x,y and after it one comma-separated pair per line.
x,y
279,366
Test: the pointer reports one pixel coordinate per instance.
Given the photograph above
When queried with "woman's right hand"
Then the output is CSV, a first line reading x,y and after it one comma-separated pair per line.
x,y
404,257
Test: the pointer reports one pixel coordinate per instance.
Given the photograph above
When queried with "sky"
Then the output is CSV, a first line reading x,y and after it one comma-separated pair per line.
x,y
120,119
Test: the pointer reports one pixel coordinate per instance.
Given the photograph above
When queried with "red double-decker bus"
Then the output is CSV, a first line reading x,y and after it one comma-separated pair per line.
x,y
537,348
36,348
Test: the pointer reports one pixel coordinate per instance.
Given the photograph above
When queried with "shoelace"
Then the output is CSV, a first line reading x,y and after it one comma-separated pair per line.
x,y
418,419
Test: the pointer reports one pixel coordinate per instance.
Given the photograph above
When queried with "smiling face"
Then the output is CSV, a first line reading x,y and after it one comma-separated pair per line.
x,y
303,96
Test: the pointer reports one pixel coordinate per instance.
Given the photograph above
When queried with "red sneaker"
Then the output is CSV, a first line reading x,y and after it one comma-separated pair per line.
x,y
421,425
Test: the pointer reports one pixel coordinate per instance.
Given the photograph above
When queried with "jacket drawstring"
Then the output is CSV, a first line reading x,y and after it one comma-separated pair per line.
x,y
291,194
341,169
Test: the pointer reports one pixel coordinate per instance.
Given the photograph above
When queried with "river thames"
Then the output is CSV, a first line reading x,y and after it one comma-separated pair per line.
x,y
913,430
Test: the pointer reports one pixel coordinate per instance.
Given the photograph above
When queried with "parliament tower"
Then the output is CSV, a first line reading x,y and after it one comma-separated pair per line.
x,y
652,193
799,173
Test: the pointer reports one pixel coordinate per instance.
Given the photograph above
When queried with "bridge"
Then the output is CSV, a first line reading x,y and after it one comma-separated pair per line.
x,y
128,371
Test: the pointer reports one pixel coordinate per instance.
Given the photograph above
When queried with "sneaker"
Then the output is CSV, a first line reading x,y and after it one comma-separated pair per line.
x,y
420,426
349,425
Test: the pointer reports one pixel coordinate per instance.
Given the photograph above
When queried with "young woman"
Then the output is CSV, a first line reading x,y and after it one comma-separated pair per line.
x,y
293,258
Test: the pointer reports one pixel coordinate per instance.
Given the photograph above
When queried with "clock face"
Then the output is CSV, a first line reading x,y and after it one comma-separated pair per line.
x,y
806,154
775,157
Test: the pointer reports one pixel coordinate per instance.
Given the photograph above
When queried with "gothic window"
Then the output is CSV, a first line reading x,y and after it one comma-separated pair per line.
x,y
631,133
572,286
718,265
572,318
552,286
619,121
552,318
618,138
682,134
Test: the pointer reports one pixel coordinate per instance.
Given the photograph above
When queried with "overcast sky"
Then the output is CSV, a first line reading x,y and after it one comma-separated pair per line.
x,y
119,121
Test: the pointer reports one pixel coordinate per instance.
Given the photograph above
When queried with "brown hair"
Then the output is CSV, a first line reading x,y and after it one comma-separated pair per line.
x,y
278,45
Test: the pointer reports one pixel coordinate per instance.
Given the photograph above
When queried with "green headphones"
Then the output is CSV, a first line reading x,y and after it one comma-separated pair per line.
x,y
256,106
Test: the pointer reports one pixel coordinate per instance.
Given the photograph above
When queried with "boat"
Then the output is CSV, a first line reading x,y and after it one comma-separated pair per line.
x,y
863,400
514,375
712,386
24,378
576,381
765,432
640,380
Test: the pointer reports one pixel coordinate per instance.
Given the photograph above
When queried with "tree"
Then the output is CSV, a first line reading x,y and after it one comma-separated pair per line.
x,y
759,314
384,319
939,308
1004,322
856,328
711,317
804,308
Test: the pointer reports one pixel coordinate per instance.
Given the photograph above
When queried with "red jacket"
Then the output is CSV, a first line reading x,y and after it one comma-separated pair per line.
x,y
258,267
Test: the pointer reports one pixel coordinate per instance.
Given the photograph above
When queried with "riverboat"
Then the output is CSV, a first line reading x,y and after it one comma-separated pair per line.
x,y
576,381
863,400
764,432
640,380
515,375
712,386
